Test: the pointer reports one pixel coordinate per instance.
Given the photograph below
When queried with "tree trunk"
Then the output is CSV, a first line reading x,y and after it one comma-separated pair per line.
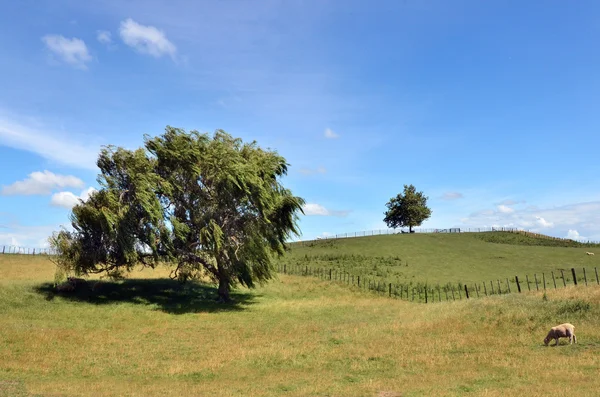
x,y
409,228
224,290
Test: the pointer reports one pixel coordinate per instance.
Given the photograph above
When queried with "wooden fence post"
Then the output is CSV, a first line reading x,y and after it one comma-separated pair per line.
x,y
466,291
544,279
425,293
484,288
584,277
476,290
390,289
537,288
446,290
553,280
358,279
574,276
518,285
597,280
330,274
563,277
453,298
508,285
492,285
527,278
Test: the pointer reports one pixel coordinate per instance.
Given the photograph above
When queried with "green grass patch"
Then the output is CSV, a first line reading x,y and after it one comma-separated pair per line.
x,y
295,336
444,260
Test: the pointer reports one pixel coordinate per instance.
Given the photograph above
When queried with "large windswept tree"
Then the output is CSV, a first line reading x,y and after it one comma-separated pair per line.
x,y
408,209
210,206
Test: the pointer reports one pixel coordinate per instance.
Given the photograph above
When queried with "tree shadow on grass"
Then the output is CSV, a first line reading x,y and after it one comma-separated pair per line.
x,y
170,296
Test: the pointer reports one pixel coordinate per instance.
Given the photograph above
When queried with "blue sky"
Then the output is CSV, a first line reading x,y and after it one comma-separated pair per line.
x,y
490,108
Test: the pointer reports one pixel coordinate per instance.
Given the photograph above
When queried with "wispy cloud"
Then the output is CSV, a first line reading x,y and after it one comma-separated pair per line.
x,y
52,146
104,36
41,183
452,196
581,217
329,134
511,202
68,199
311,171
318,209
15,234
505,209
72,51
147,40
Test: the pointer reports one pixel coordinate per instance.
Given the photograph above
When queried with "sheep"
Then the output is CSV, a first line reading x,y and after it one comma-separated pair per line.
x,y
565,330
590,253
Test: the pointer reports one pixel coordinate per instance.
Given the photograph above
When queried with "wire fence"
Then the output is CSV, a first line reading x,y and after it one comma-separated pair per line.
x,y
451,291
13,249
380,232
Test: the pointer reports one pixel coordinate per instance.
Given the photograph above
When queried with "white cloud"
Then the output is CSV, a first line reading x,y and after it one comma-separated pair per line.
x,y
72,51
452,196
505,209
146,39
104,36
555,221
511,202
542,222
68,199
574,235
310,171
52,146
41,183
27,236
315,209
318,209
330,134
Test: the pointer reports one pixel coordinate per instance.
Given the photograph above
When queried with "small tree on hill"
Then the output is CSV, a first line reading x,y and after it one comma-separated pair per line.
x,y
408,209
209,206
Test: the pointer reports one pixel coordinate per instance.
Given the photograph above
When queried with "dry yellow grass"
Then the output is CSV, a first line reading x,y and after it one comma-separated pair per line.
x,y
294,337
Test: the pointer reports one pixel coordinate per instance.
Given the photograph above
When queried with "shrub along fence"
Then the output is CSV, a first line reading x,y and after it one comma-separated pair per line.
x,y
430,293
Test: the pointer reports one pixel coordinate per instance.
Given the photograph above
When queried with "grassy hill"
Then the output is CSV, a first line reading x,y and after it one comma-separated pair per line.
x,y
445,258
295,336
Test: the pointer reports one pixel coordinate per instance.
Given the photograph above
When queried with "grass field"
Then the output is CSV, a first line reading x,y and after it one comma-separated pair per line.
x,y
443,258
296,336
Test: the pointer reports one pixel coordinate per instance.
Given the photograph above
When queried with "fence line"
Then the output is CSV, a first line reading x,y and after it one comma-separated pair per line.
x,y
13,249
378,232
427,293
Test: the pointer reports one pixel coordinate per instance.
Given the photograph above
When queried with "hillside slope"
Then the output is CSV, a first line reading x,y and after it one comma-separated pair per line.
x,y
441,258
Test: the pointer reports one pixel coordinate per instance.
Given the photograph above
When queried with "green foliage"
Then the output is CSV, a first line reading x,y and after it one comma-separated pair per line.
x,y
211,206
408,209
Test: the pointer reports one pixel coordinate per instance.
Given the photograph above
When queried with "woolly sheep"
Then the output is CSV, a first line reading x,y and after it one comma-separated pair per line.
x,y
590,253
565,330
